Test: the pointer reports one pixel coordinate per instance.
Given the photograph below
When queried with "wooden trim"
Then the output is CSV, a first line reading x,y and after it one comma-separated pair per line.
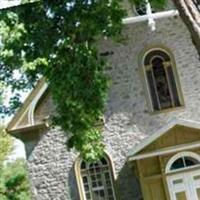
x,y
141,180
25,129
167,195
34,103
155,176
24,108
77,168
189,169
162,131
78,178
167,150
142,68
180,155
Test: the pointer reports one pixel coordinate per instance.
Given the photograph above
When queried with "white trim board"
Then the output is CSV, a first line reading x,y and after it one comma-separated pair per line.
x,y
162,131
167,150
158,15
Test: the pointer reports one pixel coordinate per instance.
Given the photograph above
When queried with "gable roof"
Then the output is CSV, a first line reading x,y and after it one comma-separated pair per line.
x,y
28,107
162,131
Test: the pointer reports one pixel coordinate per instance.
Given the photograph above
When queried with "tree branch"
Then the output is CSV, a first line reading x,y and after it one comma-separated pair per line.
x,y
189,15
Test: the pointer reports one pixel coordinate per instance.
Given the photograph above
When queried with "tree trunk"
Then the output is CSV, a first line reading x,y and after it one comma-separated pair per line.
x,y
190,14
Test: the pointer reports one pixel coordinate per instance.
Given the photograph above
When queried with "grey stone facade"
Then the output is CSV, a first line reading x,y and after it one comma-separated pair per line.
x,y
128,121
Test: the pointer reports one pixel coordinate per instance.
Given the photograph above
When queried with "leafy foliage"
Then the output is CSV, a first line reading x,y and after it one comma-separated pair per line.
x,y
6,144
13,182
57,39
13,176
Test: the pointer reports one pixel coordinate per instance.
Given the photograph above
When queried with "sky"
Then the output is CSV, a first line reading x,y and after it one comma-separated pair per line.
x,y
8,3
19,151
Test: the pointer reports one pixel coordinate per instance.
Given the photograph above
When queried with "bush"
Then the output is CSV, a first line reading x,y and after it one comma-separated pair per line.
x,y
13,181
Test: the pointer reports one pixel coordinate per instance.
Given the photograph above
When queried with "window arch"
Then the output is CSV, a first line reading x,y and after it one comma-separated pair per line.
x,y
95,180
162,80
186,183
182,160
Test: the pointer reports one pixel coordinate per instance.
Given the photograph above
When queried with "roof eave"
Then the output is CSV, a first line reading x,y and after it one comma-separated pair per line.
x,y
162,131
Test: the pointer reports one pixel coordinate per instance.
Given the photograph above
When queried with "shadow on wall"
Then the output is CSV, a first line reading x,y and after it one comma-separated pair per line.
x,y
73,188
127,184
32,140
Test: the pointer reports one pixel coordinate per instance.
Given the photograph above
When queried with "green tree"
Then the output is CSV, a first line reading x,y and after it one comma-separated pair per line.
x,y
14,182
13,176
6,145
190,13
58,39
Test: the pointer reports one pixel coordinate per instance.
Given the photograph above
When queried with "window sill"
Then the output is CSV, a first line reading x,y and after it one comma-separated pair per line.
x,y
167,110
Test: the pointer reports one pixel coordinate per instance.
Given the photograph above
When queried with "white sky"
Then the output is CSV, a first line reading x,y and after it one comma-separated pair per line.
x,y
8,3
19,151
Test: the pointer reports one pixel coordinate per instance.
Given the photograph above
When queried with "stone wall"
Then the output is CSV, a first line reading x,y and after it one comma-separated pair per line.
x,y
51,168
128,120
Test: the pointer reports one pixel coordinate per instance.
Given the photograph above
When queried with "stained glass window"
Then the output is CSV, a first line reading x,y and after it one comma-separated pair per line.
x,y
162,85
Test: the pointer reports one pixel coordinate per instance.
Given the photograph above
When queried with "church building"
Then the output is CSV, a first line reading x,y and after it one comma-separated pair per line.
x,y
151,127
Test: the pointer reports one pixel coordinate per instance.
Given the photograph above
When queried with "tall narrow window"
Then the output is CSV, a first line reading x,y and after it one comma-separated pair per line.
x,y
97,180
161,80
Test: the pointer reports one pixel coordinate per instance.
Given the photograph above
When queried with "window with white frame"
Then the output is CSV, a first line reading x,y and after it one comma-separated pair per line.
x,y
97,180
183,160
183,176
162,80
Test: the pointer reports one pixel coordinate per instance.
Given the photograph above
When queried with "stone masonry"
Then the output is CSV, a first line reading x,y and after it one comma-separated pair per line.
x,y
127,118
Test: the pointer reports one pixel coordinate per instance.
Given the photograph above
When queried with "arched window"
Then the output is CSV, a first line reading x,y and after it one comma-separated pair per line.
x,y
162,80
96,180
182,160
185,183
